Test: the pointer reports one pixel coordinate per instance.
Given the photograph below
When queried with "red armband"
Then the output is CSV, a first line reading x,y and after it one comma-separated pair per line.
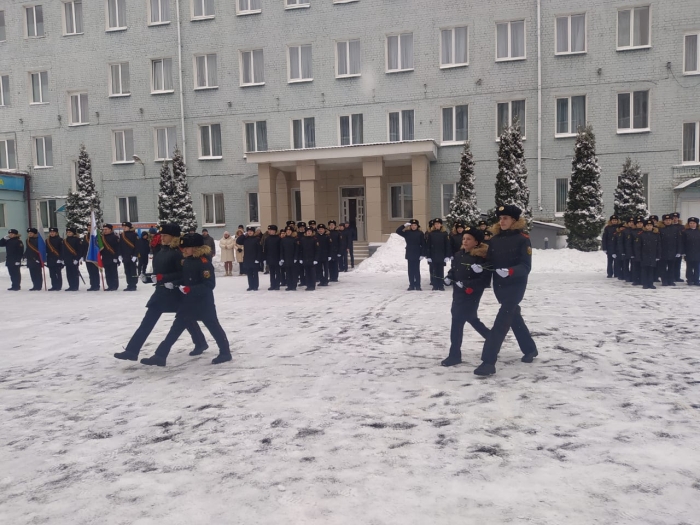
x,y
469,291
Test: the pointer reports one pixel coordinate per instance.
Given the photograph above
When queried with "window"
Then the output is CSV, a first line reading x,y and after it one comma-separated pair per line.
x,y
448,193
79,109
571,115
455,124
205,66
3,36
691,57
256,136
159,12
304,133
252,68
4,90
561,195
123,151
253,215
633,28
454,47
8,160
128,209
510,40
351,129
401,125
512,112
290,4
399,52
296,204
249,7
166,141
43,153
691,142
633,112
571,34
119,80
116,14
35,21
203,9
73,18
162,75
349,63
214,209
401,196
3,223
210,141
300,63
47,210
40,87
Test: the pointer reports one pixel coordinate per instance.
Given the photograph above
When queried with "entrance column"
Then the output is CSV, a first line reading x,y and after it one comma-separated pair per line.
x,y
375,196
420,168
307,175
267,194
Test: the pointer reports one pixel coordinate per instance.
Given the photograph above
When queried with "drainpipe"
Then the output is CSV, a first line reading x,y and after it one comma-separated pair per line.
x,y
179,70
539,106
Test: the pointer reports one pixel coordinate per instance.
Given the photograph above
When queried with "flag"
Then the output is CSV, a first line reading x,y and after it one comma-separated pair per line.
x,y
93,254
41,243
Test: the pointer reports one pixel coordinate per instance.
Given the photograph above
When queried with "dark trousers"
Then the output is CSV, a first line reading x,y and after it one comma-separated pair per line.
x,y
636,272
283,276
310,276
143,265
208,318
692,272
627,270
253,278
437,275
112,276
324,271
333,268
414,274
352,254
149,322
508,318
37,279
56,276
72,276
465,312
130,270
666,271
274,275
677,270
648,276
343,261
15,275
611,266
291,272
94,273
301,276
617,267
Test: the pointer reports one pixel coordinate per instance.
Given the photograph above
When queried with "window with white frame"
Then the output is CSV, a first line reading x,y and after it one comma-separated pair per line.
x,y
448,193
47,211
252,68
510,40
162,75
300,64
249,7
633,28
401,201
210,141
123,146
205,68
203,9
508,113
691,143
253,208
35,21
79,109
3,35
158,12
214,209
256,136
166,141
561,194
351,129
304,133
401,125
43,152
116,14
454,47
399,52
40,87
8,158
455,124
691,57
289,4
571,115
348,59
73,17
3,223
119,80
571,34
128,210
4,90
633,112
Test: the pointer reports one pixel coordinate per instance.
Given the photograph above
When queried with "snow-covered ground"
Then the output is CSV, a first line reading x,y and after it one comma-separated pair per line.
x,y
335,409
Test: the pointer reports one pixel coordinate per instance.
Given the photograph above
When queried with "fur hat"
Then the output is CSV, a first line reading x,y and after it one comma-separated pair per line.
x,y
482,223
107,225
476,233
272,227
415,221
74,231
667,217
510,210
127,224
13,231
675,215
301,224
435,221
321,226
291,223
312,223
32,230
648,222
458,225
654,217
191,240
332,222
693,219
170,228
250,229
53,230
614,218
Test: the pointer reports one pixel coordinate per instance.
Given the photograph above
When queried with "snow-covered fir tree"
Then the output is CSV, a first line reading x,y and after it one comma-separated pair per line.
x,y
511,180
166,194
182,211
463,207
584,206
629,194
81,202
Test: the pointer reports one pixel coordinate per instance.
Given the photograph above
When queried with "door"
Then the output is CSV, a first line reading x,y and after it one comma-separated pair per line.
x,y
352,209
690,209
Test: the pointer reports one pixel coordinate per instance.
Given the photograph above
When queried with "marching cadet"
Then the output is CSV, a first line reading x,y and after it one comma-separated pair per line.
x,y
608,243
678,225
196,284
334,264
438,254
308,258
92,268
635,263
271,253
415,251
33,257
648,251
110,257
468,287
252,255
670,238
289,255
343,248
487,238
14,250
144,252
72,253
691,249
510,254
54,248
325,251
456,238
129,255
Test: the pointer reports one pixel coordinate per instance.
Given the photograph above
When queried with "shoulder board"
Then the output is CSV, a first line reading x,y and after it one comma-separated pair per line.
x,y
203,259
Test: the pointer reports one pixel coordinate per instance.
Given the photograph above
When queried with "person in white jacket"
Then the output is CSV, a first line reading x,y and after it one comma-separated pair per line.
x,y
227,245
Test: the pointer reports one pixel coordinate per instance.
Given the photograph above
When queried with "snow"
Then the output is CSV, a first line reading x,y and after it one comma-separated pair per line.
x,y
335,409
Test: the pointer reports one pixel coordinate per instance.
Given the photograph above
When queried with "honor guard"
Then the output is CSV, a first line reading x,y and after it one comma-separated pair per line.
x,y
33,257
129,255
14,251
110,257
72,254
54,259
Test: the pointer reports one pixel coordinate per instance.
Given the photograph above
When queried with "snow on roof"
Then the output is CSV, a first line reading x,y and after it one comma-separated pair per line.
x,y
686,184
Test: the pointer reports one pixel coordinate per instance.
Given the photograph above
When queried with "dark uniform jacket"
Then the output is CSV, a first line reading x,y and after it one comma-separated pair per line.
x,y
110,251
144,248
31,253
415,242
54,250
85,245
455,243
619,241
335,243
628,243
671,241
209,241
14,250
252,251
438,246
631,241
608,240
474,283
510,249
72,250
198,276
272,250
325,247
308,250
691,244
289,250
167,264
342,242
648,247
129,245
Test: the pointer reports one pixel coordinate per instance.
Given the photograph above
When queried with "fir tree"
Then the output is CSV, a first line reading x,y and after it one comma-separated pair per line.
x,y
511,180
166,195
463,207
84,199
629,194
584,207
182,211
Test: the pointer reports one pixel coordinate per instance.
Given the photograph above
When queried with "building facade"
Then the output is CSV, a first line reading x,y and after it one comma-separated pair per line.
x,y
353,109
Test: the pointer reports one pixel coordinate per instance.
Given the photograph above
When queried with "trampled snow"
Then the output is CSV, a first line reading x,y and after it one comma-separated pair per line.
x,y
335,409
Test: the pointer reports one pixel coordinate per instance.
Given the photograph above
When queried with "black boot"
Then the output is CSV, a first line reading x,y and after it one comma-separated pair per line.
x,y
528,358
127,356
485,369
154,360
199,350
451,361
221,358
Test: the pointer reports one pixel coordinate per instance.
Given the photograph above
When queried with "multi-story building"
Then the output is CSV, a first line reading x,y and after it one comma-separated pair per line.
x,y
345,109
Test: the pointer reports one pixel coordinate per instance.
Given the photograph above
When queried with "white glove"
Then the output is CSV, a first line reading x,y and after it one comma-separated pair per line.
x,y
82,259
17,264
301,262
315,263
59,262
145,279
421,258
407,225
614,256
447,260
120,259
76,262
459,284
282,262
134,259
330,258
154,279
115,260
678,255
169,286
448,281
295,261
477,268
339,255
257,262
503,272
6,237
429,260
182,289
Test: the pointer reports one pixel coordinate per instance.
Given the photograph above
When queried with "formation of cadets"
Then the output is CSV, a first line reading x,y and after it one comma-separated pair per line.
x,y
647,251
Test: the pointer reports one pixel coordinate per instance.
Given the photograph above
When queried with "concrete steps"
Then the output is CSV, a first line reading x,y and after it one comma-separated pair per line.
x,y
361,251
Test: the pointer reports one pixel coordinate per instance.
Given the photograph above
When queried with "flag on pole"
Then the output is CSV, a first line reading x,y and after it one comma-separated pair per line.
x,y
93,254
41,243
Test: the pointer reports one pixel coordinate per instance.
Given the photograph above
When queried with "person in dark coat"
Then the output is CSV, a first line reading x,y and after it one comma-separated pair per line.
x,y
608,243
129,255
351,232
334,263
468,287
648,251
679,226
456,238
166,298
34,259
671,240
635,263
14,251
619,247
325,254
510,256
289,256
252,255
438,254
415,251
691,250
628,249
196,284
342,248
54,260
308,258
144,252
110,257
272,255
301,231
72,253
482,225
92,268
209,241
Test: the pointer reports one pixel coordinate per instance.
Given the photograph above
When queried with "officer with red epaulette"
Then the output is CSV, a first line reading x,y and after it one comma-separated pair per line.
x,y
34,259
54,259
72,253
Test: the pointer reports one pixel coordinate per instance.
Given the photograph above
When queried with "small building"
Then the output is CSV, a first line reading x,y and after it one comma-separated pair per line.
x,y
14,211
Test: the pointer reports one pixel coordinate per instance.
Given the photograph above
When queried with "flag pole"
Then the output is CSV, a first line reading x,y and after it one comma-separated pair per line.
x,y
43,269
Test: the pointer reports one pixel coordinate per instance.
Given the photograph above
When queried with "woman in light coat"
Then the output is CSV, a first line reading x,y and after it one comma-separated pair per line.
x,y
227,245
239,250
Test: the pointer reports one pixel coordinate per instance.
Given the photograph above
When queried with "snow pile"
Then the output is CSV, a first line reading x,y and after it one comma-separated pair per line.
x,y
390,257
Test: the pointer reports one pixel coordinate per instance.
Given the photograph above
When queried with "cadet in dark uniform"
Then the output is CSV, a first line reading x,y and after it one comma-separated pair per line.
x,y
196,284
308,258
289,256
351,233
325,254
144,252
272,255
456,238
252,255
301,231
110,257
482,225
608,243
92,268
628,249
54,259
467,291
129,255
438,254
14,251
334,263
691,249
648,251
670,250
678,225
415,251
510,254
343,248
619,245
34,262
636,265
72,253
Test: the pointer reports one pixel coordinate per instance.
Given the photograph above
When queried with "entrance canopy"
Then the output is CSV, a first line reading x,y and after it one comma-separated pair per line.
x,y
690,183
